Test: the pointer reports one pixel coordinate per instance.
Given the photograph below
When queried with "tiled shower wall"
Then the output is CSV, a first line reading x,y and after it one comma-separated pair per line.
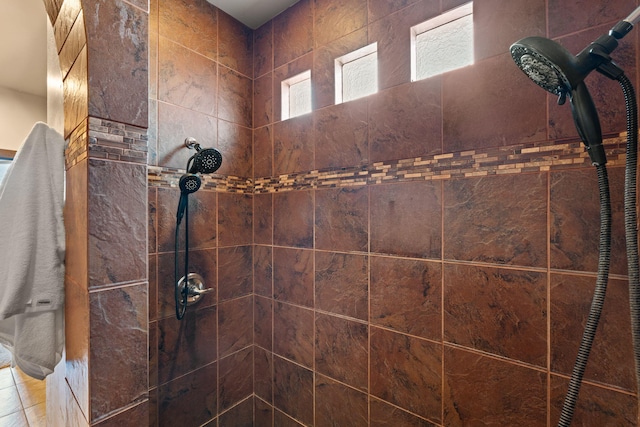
x,y
426,255
423,256
200,86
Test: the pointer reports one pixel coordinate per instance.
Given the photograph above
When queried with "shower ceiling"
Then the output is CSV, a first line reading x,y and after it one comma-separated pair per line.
x,y
253,13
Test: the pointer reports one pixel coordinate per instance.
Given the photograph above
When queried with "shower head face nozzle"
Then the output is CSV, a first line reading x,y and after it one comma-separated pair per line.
x,y
546,63
189,183
206,160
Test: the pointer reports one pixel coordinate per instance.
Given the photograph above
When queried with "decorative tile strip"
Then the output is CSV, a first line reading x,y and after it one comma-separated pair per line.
x,y
76,150
117,141
496,161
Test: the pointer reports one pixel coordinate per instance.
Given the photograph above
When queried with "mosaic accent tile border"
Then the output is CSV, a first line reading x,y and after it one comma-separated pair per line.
x,y
117,141
76,150
496,161
104,139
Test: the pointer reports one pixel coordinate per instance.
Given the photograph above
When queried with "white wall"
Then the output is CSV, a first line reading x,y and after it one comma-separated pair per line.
x,y
18,113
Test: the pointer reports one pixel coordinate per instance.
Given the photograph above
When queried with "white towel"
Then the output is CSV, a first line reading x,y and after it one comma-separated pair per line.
x,y
32,247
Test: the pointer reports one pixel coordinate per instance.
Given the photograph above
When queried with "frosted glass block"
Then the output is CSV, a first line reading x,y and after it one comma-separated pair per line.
x,y
300,98
444,48
360,77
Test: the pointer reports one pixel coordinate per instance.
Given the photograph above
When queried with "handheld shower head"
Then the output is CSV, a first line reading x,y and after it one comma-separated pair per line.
x,y
546,63
189,183
554,69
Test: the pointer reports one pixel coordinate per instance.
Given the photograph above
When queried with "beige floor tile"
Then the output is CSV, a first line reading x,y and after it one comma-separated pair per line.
x,y
6,379
37,415
17,419
32,393
9,401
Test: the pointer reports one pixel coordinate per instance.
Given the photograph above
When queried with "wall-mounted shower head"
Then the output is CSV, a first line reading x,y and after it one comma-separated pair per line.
x,y
206,160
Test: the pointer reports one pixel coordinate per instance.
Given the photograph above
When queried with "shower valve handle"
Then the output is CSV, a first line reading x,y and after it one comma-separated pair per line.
x,y
195,291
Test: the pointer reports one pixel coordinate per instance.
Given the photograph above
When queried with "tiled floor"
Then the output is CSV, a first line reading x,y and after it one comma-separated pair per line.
x,y
22,399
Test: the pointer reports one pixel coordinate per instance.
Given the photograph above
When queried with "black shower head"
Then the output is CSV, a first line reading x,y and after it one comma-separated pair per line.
x,y
548,64
553,68
189,183
204,161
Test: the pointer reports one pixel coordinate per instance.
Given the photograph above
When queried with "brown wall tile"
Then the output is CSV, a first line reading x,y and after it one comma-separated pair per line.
x,y
406,219
338,405
263,413
342,219
263,49
194,388
293,219
239,416
489,220
293,392
492,37
235,272
293,332
191,23
577,213
235,100
293,146
236,146
235,323
118,206
117,93
383,414
235,41
341,350
570,303
236,379
235,219
263,219
263,322
184,347
118,326
293,276
503,312
187,79
407,372
341,135
621,408
263,102
406,296
335,19
263,369
342,284
294,36
476,390
263,271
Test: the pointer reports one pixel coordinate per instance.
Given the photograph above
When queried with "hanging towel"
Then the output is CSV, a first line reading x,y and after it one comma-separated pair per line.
x,y
32,248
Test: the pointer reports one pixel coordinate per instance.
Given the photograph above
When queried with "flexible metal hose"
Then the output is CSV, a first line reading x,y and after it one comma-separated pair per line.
x,y
631,236
599,293
181,308
630,217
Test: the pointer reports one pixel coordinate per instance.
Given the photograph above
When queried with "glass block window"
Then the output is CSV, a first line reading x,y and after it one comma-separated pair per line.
x,y
357,74
443,43
296,95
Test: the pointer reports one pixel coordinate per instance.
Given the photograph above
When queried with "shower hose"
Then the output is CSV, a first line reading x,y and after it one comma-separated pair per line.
x,y
181,297
631,235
